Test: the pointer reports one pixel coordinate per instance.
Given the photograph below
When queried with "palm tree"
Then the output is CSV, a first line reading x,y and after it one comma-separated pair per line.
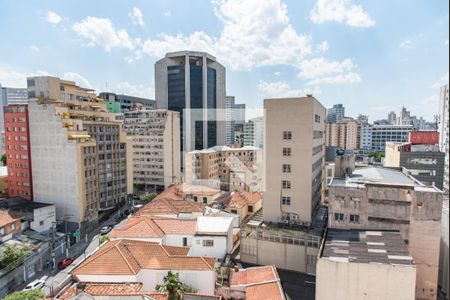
x,y
172,285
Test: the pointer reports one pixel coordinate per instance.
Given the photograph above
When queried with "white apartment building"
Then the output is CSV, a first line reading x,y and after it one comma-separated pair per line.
x,y
153,138
444,131
294,130
254,132
389,133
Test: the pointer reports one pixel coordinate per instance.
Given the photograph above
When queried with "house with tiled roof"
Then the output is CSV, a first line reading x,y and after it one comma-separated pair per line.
x,y
257,283
205,236
9,224
146,262
244,203
109,290
171,205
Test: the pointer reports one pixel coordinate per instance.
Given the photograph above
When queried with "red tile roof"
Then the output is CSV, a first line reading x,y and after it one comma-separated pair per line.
x,y
241,199
128,257
7,218
168,206
110,289
260,283
153,227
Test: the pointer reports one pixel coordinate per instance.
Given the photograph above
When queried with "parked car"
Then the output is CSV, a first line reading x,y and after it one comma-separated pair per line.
x,y
65,262
105,230
36,284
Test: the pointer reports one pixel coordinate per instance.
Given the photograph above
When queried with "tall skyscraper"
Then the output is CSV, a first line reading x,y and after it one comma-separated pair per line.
x,y
195,82
254,132
336,113
444,131
235,118
9,96
78,151
392,118
153,137
343,134
295,129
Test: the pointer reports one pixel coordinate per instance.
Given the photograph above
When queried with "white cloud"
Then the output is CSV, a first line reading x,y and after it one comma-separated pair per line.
x,y
52,17
136,90
34,48
431,100
137,17
323,47
79,79
167,13
340,11
442,81
101,32
319,70
277,73
411,43
13,78
280,89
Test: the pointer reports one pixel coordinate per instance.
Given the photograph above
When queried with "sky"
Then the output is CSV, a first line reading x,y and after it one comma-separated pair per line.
x,y
372,56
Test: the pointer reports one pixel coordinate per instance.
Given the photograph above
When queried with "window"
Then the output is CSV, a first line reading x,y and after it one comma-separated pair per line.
x,y
286,151
208,243
287,135
286,200
205,200
311,260
338,217
2,231
354,218
13,226
250,208
41,223
286,168
233,211
185,242
195,198
317,118
286,184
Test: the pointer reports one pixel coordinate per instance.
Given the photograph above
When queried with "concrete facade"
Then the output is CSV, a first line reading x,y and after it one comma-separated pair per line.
x,y
444,106
254,132
389,133
343,134
295,149
386,199
154,138
444,282
336,113
126,102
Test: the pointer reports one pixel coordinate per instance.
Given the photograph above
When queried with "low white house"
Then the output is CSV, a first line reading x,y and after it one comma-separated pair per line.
x,y
148,263
213,235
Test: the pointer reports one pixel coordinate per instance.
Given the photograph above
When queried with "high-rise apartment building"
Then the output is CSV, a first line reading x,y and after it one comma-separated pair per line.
x,y
392,118
444,131
225,168
18,156
193,84
295,129
254,132
389,133
78,151
336,113
343,134
235,118
9,96
153,138
126,102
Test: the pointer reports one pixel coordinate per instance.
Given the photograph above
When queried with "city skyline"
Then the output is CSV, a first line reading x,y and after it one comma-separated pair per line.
x,y
387,63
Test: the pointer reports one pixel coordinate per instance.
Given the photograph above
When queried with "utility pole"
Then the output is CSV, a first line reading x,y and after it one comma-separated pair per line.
x,y
53,244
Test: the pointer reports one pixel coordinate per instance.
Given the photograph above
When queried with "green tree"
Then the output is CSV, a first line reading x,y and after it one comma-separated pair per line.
x,y
3,159
35,294
379,155
174,287
147,197
14,255
103,239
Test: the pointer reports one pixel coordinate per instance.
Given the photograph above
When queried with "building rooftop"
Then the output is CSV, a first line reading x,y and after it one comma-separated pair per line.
x,y
380,176
123,289
241,199
213,225
153,227
225,148
128,257
259,282
366,246
197,189
7,218
20,204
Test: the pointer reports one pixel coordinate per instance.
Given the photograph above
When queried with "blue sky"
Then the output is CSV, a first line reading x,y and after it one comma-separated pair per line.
x,y
372,56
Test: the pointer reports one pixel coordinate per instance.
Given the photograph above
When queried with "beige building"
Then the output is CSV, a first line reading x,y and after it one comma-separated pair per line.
x,y
386,199
444,282
225,168
295,150
370,265
154,140
78,151
244,203
343,134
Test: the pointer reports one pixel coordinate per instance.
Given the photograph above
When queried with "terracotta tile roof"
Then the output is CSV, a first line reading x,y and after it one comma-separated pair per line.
x,y
7,218
153,227
241,199
111,289
128,257
165,205
260,283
